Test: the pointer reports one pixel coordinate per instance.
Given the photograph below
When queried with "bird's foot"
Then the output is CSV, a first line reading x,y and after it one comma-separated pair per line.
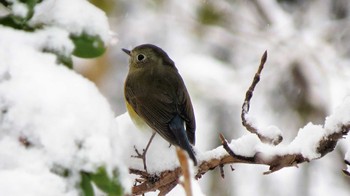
x,y
144,151
141,156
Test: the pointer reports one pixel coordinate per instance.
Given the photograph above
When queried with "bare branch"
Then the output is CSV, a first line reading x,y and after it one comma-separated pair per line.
x,y
246,106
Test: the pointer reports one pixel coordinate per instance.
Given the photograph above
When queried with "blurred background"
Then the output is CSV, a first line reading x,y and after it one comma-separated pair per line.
x,y
217,46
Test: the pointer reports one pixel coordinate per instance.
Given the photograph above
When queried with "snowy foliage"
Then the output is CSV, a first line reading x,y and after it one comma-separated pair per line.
x,y
54,124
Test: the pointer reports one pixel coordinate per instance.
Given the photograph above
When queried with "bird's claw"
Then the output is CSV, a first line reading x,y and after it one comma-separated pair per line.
x,y
141,156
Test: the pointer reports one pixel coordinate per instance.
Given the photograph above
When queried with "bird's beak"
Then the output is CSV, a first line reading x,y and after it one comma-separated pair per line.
x,y
128,52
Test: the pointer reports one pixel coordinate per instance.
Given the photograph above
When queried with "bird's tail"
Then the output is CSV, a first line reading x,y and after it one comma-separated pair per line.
x,y
177,127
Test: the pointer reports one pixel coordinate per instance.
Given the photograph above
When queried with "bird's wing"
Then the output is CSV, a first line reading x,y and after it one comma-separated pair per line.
x,y
156,110
160,106
186,112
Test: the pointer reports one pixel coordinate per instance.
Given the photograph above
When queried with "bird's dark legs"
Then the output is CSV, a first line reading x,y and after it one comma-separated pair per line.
x,y
143,155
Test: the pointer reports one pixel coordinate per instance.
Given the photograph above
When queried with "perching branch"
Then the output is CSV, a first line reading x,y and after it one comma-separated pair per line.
x,y
167,180
277,162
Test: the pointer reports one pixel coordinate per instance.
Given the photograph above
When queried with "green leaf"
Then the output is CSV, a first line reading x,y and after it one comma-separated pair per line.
x,y
11,22
60,170
4,2
87,46
19,22
111,186
67,61
86,185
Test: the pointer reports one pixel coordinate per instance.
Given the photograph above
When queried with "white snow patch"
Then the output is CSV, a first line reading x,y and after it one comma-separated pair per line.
x,y
50,38
19,9
307,141
340,116
160,155
245,145
75,16
272,132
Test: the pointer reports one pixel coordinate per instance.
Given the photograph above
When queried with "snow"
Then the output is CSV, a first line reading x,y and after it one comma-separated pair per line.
x,y
272,132
245,145
50,38
158,150
305,143
76,17
69,124
341,116
20,9
64,118
307,140
347,156
28,169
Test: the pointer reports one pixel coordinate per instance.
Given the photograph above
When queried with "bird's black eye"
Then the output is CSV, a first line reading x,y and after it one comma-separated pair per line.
x,y
141,57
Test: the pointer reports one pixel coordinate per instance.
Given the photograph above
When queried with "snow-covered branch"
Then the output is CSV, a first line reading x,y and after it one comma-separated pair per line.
x,y
276,157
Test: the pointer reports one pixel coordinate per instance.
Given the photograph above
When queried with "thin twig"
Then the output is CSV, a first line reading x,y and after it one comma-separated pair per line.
x,y
345,171
222,172
246,106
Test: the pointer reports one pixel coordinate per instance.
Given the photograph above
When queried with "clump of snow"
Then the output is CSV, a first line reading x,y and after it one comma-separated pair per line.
x,y
272,132
19,9
307,141
216,153
49,39
341,116
76,17
249,118
244,146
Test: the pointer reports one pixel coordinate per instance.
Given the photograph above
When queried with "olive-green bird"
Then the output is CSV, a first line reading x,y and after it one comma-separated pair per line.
x,y
156,95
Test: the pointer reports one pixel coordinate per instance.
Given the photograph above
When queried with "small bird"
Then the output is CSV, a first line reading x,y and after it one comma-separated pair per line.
x,y
156,96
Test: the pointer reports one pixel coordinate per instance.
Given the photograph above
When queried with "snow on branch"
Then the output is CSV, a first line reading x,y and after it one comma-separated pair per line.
x,y
266,138
259,147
